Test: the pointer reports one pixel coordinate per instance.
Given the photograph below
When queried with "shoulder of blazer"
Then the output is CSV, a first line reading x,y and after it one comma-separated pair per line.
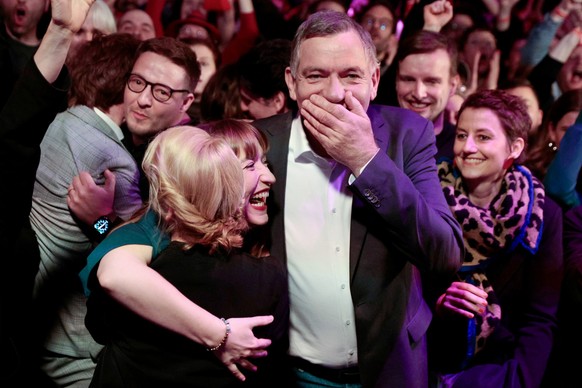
x,y
275,125
89,116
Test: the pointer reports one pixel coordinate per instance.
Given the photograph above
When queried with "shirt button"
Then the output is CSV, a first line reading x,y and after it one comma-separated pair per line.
x,y
348,322
343,286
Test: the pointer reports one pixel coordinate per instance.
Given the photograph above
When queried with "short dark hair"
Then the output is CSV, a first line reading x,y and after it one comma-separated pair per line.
x,y
100,69
509,109
426,42
262,69
389,5
329,23
177,52
216,54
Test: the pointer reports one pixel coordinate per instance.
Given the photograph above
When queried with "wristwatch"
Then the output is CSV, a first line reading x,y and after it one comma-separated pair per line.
x,y
102,225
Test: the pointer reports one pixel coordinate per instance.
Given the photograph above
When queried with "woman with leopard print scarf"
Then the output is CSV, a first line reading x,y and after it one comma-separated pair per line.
x,y
494,326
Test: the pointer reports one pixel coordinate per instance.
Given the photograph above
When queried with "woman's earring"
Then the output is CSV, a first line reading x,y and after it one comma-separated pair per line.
x,y
508,163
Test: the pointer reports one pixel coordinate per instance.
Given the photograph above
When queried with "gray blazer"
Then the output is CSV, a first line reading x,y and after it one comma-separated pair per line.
x,y
77,140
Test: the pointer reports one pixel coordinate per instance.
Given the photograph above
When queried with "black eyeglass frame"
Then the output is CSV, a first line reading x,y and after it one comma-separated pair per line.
x,y
153,85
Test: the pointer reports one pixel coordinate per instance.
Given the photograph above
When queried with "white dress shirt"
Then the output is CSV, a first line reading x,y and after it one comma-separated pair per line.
x,y
318,208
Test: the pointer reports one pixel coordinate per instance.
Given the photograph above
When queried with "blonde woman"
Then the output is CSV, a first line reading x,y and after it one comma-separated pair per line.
x,y
197,193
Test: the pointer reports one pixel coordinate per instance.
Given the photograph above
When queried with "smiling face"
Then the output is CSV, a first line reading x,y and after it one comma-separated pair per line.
x,y
330,66
258,180
424,84
482,147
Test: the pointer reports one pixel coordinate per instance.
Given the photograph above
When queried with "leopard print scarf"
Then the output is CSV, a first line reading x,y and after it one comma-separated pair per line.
x,y
515,217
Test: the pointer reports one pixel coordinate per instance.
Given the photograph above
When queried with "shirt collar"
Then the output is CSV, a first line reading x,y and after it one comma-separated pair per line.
x,y
114,127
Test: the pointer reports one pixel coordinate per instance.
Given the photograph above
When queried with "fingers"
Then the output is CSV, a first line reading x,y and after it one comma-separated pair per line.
x,y
244,363
109,180
475,70
262,320
258,353
353,104
85,178
237,373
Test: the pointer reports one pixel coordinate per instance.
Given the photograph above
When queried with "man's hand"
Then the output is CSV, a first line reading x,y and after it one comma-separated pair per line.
x,y
70,14
344,132
88,201
437,14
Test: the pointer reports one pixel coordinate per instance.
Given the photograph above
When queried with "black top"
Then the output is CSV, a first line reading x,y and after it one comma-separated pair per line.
x,y
139,353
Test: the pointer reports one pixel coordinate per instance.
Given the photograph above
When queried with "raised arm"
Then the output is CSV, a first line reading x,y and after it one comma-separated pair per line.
x,y
66,19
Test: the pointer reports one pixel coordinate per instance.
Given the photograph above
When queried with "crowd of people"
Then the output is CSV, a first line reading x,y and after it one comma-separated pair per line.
x,y
316,193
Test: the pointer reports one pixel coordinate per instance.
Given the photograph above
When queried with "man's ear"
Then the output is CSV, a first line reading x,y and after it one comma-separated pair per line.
x,y
187,102
290,81
279,101
375,82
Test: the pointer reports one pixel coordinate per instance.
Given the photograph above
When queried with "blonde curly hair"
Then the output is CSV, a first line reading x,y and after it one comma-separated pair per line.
x,y
196,188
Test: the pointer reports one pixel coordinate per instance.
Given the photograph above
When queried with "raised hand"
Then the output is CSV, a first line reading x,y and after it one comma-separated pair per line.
x,y
70,14
437,14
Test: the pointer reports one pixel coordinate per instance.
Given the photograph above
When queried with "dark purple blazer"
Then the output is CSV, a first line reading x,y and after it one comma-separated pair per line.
x,y
400,224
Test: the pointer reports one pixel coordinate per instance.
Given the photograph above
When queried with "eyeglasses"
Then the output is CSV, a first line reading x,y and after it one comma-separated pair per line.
x,y
370,21
162,93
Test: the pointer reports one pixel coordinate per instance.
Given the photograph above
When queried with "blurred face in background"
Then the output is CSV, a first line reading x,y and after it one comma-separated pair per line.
x,y
557,132
570,75
531,102
379,22
137,23
189,6
21,18
205,58
99,21
480,42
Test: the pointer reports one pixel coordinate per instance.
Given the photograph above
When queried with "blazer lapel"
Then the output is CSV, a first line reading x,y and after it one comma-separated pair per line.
x,y
278,131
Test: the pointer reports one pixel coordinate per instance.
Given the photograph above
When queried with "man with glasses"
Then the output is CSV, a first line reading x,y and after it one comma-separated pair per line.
x,y
83,146
378,19
159,91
